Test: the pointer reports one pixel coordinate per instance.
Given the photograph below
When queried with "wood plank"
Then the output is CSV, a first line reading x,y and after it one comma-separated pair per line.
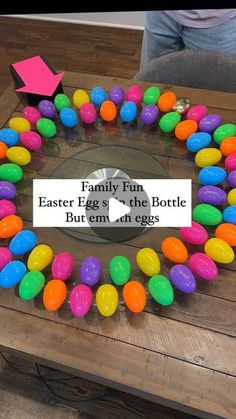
x,y
9,101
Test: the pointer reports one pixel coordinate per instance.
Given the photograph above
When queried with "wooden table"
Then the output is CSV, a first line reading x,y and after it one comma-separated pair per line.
x,y
183,356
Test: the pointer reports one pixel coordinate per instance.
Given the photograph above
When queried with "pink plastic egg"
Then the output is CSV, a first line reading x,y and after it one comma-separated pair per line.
x,y
81,298
31,114
31,140
5,257
202,266
88,113
230,162
197,112
6,208
134,94
62,266
196,234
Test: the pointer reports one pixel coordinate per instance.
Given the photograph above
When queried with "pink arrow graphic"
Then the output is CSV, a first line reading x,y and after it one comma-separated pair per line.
x,y
37,76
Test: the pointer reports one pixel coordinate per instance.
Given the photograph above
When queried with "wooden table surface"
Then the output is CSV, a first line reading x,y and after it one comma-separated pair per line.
x,y
182,356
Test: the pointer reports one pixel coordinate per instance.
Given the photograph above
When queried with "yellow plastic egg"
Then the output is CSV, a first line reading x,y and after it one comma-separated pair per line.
x,y
40,257
19,124
107,299
80,97
19,155
148,261
208,157
231,197
219,251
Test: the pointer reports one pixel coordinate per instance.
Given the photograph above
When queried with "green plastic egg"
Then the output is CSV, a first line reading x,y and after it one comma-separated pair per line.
x,y
11,172
62,101
151,95
224,131
46,127
31,285
120,270
207,215
161,290
169,121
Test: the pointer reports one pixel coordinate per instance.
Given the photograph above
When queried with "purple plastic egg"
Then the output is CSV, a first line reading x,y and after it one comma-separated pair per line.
x,y
149,114
230,162
202,266
182,278
196,234
90,271
62,266
47,109
31,114
197,112
211,194
209,123
6,208
117,95
7,190
81,299
231,179
5,257
31,140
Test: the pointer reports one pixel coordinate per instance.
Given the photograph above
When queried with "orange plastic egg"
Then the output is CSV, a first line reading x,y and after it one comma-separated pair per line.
x,y
227,232
185,128
134,296
228,146
174,250
10,226
54,294
108,111
166,101
3,150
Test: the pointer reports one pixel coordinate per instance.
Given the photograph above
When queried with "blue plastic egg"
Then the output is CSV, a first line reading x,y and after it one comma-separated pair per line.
x,y
68,117
9,136
229,214
198,141
23,242
212,175
12,273
128,111
98,95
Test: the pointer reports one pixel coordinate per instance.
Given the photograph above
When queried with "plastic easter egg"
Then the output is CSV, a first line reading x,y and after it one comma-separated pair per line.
x,y
227,232
230,162
208,157
68,117
166,101
207,215
88,113
198,141
197,112
182,106
212,175
182,279
174,250
80,97
40,257
90,271
19,124
231,179
202,266
61,101
31,285
46,127
23,242
5,257
19,155
12,273
3,150
128,112
31,114
229,214
107,300
224,131
161,290
6,208
98,95
54,294
117,95
134,296
149,114
209,123
212,195
120,269
11,172
47,109
219,251
134,94
9,136
184,129
108,111
81,299
169,121
151,95
63,265
148,261
7,190
31,140
196,234
228,146
10,226
231,197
